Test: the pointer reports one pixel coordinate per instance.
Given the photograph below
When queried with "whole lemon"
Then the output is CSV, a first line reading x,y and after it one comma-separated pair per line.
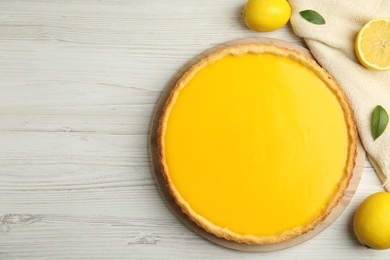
x,y
372,221
266,15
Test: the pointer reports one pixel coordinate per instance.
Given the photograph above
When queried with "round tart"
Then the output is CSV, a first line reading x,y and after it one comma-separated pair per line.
x,y
257,143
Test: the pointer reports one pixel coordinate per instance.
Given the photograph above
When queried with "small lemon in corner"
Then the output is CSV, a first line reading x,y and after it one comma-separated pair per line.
x,y
266,15
371,222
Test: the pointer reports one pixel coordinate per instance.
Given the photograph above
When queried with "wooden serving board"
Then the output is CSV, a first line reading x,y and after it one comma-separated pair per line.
x,y
336,212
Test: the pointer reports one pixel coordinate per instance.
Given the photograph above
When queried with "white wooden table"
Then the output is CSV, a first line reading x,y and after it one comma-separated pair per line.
x,y
79,81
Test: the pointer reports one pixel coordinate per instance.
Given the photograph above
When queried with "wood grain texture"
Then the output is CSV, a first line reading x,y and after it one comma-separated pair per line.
x,y
79,82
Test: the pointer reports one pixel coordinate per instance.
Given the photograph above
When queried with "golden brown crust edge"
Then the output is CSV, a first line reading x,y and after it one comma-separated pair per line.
x,y
333,86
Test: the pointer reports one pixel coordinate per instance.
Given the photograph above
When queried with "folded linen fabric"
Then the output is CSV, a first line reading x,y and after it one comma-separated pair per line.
x,y
332,45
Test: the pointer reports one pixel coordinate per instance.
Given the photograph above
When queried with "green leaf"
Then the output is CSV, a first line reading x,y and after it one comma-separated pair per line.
x,y
312,16
380,119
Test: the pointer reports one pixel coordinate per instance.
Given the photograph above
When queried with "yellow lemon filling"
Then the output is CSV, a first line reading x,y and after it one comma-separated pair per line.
x,y
256,144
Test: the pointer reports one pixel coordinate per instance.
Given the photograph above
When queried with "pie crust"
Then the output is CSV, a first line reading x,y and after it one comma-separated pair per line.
x,y
334,198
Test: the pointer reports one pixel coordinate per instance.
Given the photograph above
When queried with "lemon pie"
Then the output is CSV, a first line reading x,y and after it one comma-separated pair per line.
x,y
257,143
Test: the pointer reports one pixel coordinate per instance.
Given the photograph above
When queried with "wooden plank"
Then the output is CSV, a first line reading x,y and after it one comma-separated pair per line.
x,y
79,81
336,212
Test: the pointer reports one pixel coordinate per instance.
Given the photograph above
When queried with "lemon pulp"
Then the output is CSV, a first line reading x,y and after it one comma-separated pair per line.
x,y
372,44
256,144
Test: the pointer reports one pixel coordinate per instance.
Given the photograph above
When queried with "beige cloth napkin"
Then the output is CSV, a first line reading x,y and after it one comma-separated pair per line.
x,y
332,44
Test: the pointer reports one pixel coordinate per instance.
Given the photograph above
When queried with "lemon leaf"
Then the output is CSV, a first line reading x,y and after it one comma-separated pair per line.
x,y
312,16
380,119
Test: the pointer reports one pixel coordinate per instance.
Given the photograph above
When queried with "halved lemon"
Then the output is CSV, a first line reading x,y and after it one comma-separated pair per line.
x,y
372,44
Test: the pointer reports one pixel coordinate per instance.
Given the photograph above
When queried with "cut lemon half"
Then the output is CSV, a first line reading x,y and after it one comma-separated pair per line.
x,y
372,44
